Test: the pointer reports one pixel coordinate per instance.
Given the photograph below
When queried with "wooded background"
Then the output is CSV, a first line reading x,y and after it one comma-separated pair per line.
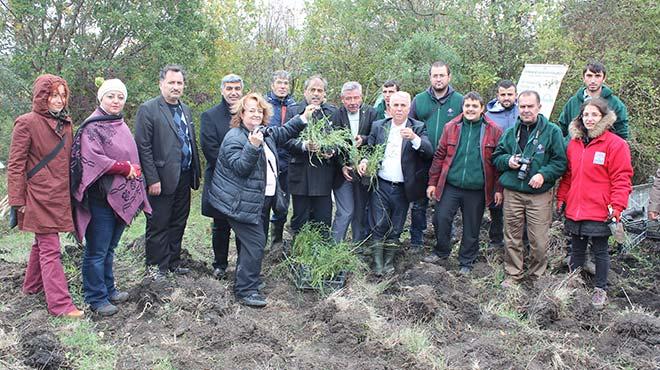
x,y
369,41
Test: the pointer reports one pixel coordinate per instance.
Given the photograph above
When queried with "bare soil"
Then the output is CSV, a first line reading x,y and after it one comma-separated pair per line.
x,y
424,316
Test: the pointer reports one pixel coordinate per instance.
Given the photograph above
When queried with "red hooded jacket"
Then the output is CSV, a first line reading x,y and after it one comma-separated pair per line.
x,y
598,173
46,196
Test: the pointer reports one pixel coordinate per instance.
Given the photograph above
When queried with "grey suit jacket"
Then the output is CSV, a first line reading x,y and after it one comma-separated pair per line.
x,y
159,146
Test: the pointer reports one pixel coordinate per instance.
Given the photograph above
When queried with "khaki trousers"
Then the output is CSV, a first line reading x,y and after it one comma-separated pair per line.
x,y
537,209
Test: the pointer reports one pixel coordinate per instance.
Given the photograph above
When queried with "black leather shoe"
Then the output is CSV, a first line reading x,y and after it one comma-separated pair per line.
x,y
219,273
253,300
180,270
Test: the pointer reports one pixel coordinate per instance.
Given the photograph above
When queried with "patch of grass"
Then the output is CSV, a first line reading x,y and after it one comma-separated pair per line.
x,y
9,349
163,364
414,339
85,346
16,245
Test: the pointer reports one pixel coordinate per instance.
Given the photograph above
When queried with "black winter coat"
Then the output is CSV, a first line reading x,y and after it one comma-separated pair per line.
x,y
239,181
214,127
308,175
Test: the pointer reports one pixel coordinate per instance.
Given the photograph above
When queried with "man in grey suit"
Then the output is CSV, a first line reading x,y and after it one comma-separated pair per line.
x,y
165,137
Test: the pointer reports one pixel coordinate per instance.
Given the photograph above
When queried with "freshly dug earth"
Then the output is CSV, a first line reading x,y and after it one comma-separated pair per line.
x,y
424,316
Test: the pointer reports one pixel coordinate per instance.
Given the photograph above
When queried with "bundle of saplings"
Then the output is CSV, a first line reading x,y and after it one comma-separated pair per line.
x,y
318,261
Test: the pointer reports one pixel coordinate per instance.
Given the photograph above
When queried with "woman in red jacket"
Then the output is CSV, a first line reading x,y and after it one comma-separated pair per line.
x,y
595,187
39,189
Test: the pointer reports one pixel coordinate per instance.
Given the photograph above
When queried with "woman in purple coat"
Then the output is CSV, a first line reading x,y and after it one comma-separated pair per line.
x,y
108,192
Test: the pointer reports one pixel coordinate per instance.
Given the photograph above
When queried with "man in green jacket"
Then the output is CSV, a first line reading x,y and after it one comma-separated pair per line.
x,y
594,75
435,107
531,157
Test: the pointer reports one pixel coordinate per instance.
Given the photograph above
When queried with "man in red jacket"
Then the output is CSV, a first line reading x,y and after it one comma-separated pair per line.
x,y
463,175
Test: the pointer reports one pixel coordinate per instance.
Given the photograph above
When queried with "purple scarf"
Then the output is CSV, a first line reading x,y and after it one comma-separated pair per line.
x,y
100,145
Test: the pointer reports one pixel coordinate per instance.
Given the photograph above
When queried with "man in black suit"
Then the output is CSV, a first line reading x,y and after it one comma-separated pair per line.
x,y
165,137
310,178
214,127
402,176
351,196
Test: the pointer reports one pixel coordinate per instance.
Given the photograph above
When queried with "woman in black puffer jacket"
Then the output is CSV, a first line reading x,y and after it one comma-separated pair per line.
x,y
244,185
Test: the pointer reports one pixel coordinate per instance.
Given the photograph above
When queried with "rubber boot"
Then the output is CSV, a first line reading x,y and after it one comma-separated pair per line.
x,y
390,252
378,259
278,230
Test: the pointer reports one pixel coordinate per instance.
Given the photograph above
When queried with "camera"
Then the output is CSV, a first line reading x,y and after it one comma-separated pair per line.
x,y
523,171
265,130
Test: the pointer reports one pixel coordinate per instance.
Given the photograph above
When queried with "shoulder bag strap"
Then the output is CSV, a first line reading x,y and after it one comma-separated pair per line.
x,y
47,158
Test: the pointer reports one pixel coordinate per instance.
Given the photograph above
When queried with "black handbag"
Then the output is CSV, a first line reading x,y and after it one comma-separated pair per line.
x,y
13,211
281,204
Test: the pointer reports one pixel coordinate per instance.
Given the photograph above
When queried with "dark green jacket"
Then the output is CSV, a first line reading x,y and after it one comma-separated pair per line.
x,y
435,113
466,171
572,109
380,110
546,148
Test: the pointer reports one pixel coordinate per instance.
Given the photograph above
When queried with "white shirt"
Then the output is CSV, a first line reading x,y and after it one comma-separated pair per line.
x,y
354,120
271,171
391,169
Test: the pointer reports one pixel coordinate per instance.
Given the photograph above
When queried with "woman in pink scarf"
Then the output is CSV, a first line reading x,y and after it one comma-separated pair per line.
x,y
108,192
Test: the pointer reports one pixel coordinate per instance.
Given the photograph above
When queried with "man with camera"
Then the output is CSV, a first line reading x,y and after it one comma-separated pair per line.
x,y
531,158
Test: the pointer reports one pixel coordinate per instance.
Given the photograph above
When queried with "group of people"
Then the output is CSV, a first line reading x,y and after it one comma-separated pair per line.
x,y
454,150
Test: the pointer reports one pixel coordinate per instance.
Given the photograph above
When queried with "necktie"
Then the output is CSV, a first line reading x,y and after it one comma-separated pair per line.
x,y
183,136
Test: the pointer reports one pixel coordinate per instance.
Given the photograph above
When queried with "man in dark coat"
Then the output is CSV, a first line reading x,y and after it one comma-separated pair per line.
x,y
165,137
351,196
401,176
311,178
214,127
284,108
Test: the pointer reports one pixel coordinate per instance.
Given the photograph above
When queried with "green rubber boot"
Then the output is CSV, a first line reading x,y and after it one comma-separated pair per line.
x,y
390,252
378,259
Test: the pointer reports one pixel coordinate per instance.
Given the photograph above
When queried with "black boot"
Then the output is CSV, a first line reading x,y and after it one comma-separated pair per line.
x,y
278,230
378,259
390,252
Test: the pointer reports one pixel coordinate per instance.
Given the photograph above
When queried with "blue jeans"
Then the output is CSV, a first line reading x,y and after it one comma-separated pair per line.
x,y
418,221
101,238
390,207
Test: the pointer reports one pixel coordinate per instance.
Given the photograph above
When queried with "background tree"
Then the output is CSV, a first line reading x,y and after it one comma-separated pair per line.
x,y
365,40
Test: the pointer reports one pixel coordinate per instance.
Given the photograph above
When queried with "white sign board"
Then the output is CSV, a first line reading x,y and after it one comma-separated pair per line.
x,y
545,79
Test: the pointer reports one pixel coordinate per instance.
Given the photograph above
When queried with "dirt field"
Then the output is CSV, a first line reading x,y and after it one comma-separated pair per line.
x,y
425,316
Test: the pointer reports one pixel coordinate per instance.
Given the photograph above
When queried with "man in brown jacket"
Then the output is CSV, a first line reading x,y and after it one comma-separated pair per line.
x,y
38,184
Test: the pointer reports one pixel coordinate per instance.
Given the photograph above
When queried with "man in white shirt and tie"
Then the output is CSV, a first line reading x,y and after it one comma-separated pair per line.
x,y
401,177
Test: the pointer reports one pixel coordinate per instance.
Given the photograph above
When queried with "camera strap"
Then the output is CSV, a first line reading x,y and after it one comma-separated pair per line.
x,y
535,139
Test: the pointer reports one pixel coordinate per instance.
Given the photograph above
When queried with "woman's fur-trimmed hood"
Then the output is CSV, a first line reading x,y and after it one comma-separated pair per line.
x,y
575,128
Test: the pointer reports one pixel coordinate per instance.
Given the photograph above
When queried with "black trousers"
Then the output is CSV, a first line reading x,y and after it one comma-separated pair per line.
x,y
220,233
599,248
472,204
166,224
310,208
253,242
